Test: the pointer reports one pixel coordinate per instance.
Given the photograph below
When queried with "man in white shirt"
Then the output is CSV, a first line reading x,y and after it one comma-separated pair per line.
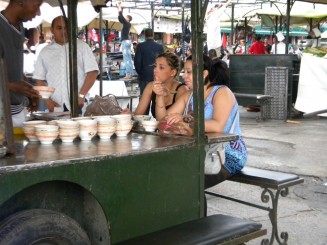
x,y
280,47
52,68
213,26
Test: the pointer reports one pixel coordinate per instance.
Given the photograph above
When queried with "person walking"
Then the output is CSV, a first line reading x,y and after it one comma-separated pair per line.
x,y
145,57
125,41
51,68
213,26
12,52
257,46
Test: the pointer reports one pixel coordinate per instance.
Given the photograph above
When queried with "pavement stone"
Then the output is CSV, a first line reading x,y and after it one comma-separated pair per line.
x,y
297,147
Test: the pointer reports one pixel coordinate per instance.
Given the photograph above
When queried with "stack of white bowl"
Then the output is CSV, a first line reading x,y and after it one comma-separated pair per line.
x,y
124,124
87,129
29,130
68,130
44,91
46,133
150,126
106,126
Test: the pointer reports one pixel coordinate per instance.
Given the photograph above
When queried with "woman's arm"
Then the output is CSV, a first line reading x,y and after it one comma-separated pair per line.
x,y
145,100
175,112
223,102
181,90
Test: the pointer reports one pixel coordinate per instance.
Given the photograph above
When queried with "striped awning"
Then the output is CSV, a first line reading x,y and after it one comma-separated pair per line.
x,y
294,31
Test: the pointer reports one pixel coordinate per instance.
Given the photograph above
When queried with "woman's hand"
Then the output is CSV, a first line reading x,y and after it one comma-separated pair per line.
x,y
125,111
174,118
159,88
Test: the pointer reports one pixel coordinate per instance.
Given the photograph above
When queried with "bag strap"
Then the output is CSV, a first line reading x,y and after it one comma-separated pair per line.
x,y
234,122
186,110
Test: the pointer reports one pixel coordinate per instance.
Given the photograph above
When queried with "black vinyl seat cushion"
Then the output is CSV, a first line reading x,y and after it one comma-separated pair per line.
x,y
209,230
267,176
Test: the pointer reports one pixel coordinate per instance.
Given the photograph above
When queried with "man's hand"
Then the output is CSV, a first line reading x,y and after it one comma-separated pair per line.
x,y
25,89
51,104
81,102
33,105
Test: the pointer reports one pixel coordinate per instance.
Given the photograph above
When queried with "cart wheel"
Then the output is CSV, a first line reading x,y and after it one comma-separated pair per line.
x,y
41,227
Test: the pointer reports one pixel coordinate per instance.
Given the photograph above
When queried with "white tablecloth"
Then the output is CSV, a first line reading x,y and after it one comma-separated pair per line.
x,y
312,89
117,88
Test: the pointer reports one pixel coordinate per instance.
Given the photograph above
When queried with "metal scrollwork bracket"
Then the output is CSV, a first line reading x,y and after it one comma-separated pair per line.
x,y
266,196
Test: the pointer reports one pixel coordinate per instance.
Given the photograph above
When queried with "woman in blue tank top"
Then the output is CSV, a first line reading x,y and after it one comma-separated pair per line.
x,y
221,110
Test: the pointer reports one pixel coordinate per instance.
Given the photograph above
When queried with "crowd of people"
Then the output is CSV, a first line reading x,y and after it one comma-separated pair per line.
x,y
162,94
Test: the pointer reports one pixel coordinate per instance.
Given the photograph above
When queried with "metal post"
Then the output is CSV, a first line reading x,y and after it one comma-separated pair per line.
x,y
232,27
152,16
288,11
183,30
72,36
101,48
6,126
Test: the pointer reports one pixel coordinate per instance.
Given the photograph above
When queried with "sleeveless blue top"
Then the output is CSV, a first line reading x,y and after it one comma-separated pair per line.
x,y
235,152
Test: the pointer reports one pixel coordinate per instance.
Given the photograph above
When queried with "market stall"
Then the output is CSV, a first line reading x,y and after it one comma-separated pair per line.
x,y
312,89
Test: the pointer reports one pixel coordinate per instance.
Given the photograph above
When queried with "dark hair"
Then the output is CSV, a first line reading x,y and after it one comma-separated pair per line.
x,y
207,62
212,53
257,38
172,60
219,74
148,32
129,17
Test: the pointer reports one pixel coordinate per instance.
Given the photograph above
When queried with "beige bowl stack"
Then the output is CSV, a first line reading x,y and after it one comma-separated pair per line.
x,y
106,126
150,126
124,124
87,129
44,91
46,133
68,130
29,130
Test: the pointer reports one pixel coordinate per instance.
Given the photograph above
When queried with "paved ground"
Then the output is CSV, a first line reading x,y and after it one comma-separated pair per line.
x,y
297,147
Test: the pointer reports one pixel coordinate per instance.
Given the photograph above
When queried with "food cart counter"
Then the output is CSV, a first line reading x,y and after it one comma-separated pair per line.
x,y
108,186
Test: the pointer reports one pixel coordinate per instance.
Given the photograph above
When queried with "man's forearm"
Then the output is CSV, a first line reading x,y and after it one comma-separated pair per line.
x,y
89,81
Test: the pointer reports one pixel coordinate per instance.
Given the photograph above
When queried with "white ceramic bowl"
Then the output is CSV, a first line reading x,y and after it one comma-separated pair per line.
x,y
108,120
68,124
52,122
106,132
46,133
87,134
81,118
46,128
87,122
141,118
68,136
44,91
122,118
123,130
122,133
150,126
33,123
29,130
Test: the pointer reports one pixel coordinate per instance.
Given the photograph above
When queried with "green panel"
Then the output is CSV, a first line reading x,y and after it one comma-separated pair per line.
x,y
247,73
139,194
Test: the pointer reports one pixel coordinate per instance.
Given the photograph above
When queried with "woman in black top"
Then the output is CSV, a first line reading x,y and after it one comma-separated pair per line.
x,y
166,71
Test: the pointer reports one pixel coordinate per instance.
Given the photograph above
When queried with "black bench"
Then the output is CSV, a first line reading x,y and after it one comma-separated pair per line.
x,y
274,184
261,100
210,230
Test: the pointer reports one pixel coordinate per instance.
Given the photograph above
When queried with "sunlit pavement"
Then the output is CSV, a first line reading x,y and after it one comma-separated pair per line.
x,y
299,147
